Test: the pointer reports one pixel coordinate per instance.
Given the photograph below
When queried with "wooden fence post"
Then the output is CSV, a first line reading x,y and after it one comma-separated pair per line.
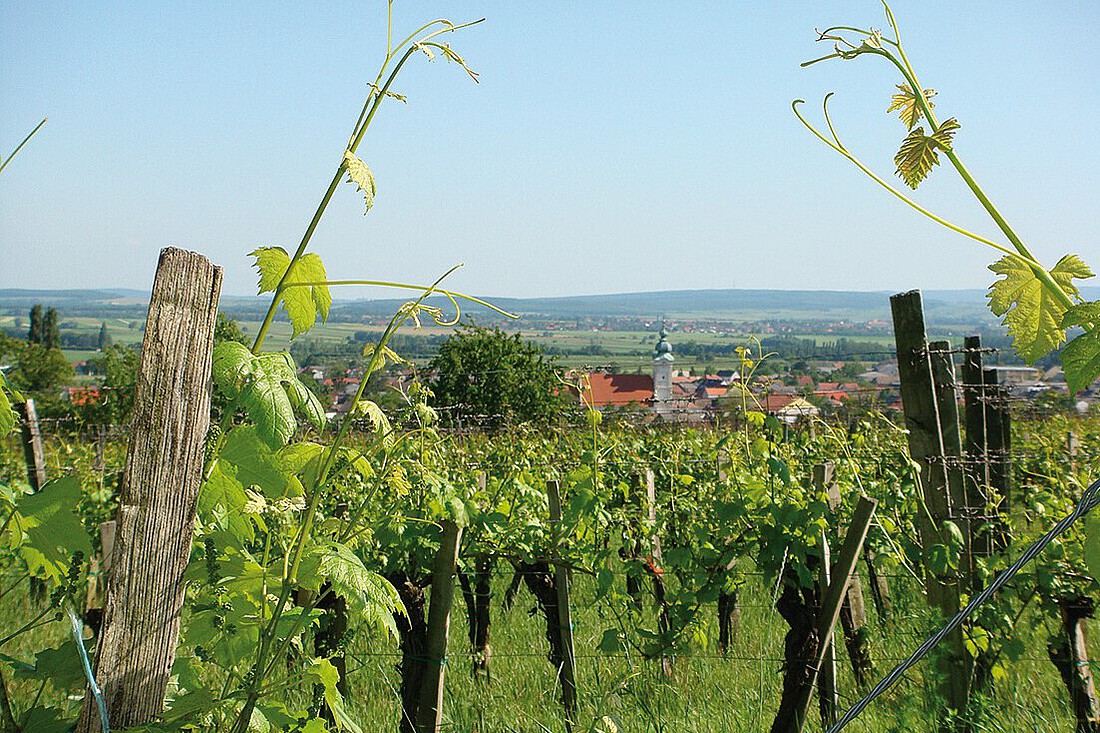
x,y
853,612
32,446
843,571
656,563
156,510
934,443
567,674
429,714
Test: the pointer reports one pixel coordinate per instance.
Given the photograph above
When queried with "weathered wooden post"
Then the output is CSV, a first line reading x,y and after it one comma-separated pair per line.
x,y
567,674
853,612
32,446
655,565
160,485
931,418
793,711
429,713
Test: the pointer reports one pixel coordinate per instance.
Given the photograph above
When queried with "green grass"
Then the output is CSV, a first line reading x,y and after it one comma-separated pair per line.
x,y
707,691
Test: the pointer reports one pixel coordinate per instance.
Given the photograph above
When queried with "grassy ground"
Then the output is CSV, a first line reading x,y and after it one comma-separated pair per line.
x,y
737,692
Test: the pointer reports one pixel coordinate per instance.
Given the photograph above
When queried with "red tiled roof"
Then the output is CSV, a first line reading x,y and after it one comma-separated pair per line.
x,y
81,396
773,402
618,389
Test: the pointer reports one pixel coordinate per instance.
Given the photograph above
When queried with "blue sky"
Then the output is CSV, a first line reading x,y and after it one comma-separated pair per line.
x,y
609,147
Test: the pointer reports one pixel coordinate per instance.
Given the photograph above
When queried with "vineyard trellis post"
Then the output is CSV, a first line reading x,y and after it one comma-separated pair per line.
x,y
429,714
853,612
988,446
156,512
842,572
655,565
98,571
926,372
567,674
827,693
32,445
1072,446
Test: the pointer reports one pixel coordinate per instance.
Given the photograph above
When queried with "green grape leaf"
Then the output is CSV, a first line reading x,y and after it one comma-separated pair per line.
x,y
281,366
194,705
222,498
253,464
51,530
1081,356
372,412
362,176
322,672
268,405
271,263
232,366
906,104
370,594
302,303
1031,312
61,666
919,152
42,719
1092,545
8,417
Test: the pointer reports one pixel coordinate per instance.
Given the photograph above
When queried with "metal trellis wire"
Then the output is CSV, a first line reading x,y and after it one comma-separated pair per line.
x,y
1089,500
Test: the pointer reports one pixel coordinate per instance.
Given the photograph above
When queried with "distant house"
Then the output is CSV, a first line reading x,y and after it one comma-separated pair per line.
x,y
82,396
617,390
788,408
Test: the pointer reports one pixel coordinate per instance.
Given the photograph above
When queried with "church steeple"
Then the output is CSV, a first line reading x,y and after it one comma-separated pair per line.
x,y
662,374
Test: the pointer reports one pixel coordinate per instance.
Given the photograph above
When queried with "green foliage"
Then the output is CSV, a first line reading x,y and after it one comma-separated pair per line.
x,y
44,529
906,105
227,329
1031,311
38,369
119,366
1081,356
36,334
104,340
368,594
492,379
8,416
918,153
267,387
51,334
302,303
362,177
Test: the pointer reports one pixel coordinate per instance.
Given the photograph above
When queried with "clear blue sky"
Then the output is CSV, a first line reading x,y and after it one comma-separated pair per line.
x,y
610,147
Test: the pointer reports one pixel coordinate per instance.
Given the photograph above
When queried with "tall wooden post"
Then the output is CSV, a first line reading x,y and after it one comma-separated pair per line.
x,y
853,611
567,674
793,712
32,446
156,510
429,714
931,418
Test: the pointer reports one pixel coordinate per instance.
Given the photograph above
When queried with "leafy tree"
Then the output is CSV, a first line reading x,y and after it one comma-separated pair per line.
x,y
38,369
119,366
36,334
495,379
51,334
227,329
104,337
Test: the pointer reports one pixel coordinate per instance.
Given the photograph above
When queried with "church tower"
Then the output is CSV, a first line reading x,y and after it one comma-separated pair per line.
x,y
662,375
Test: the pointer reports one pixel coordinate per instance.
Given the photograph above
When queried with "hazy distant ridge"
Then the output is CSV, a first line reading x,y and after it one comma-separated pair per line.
x,y
940,305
